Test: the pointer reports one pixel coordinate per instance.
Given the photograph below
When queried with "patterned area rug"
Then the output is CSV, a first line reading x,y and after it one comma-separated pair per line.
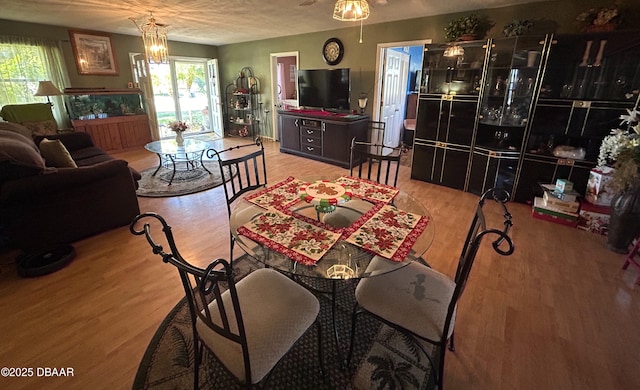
x,y
184,182
383,358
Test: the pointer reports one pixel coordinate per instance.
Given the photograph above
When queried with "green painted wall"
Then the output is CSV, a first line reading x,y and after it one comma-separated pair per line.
x,y
550,16
123,44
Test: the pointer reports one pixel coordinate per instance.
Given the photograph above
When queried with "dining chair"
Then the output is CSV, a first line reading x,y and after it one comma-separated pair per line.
x,y
369,161
248,326
248,172
376,132
422,302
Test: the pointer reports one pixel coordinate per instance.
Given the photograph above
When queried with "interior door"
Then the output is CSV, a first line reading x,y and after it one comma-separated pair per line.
x,y
284,86
143,78
394,90
215,102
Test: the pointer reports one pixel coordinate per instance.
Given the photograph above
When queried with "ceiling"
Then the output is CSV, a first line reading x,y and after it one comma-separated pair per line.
x,y
221,22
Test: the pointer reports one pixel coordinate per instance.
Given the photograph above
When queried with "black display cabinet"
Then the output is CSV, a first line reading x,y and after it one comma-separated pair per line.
x,y
589,80
447,111
510,86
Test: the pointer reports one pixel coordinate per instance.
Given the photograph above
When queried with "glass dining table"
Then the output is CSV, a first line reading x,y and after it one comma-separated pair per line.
x,y
287,227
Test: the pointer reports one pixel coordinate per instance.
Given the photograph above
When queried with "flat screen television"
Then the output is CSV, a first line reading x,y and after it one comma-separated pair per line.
x,y
328,89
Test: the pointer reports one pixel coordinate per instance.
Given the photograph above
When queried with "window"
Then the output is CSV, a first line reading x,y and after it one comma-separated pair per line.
x,y
24,62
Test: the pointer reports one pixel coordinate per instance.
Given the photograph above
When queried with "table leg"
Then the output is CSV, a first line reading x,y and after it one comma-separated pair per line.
x,y
173,162
159,164
336,334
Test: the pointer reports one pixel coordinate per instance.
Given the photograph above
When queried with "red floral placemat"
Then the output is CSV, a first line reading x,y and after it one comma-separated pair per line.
x,y
297,239
389,232
369,190
281,194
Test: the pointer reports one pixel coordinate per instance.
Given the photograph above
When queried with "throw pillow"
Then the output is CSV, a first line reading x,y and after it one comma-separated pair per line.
x,y
18,158
48,127
16,128
55,154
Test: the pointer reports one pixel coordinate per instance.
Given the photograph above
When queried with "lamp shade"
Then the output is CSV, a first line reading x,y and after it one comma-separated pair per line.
x,y
351,10
46,88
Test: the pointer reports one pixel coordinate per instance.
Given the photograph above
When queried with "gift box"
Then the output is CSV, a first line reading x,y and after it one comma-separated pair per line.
x,y
594,218
563,185
599,191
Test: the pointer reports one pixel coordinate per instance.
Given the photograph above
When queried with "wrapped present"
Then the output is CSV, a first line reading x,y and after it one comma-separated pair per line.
x,y
599,191
563,185
594,218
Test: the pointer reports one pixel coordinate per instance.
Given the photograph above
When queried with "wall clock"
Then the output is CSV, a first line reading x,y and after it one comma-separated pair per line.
x,y
332,51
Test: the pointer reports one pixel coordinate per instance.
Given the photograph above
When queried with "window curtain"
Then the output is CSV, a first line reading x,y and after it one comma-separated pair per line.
x,y
23,62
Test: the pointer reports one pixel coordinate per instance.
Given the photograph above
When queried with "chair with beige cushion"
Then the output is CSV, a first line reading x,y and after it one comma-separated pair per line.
x,y
247,165
422,302
37,117
249,325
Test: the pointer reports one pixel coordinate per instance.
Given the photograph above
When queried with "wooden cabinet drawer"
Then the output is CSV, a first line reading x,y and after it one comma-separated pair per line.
x,y
310,132
312,141
311,149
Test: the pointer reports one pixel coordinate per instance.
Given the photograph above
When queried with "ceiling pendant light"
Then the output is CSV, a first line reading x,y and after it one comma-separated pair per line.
x,y
351,11
154,37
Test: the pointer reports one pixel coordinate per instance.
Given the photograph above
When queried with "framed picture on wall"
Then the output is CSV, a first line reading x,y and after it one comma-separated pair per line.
x,y
94,53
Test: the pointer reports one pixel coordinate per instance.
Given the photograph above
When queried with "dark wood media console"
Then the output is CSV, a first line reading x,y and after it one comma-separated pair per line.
x,y
321,135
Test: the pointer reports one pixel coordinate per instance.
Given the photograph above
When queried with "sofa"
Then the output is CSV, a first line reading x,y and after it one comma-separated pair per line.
x,y
57,189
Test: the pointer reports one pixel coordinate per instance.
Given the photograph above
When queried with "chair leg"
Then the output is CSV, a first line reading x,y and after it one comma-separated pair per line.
x,y
197,350
354,317
440,378
320,350
232,242
452,347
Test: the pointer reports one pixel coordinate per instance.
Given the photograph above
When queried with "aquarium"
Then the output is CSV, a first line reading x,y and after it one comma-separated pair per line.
x,y
85,104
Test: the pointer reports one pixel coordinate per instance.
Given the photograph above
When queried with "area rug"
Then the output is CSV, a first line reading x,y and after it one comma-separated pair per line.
x,y
382,359
184,182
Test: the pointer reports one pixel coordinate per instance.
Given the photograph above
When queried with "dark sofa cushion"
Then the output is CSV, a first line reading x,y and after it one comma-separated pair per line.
x,y
18,157
89,156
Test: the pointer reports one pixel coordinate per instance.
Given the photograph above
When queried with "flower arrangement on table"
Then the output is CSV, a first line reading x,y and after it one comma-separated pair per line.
x,y
621,150
178,126
600,19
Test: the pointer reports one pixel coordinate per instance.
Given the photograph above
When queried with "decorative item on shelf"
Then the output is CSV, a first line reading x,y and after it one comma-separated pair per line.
x,y
621,149
601,19
467,28
517,27
179,127
572,152
154,38
453,51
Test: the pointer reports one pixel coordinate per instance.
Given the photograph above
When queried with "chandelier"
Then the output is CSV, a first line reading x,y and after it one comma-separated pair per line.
x,y
351,10
154,37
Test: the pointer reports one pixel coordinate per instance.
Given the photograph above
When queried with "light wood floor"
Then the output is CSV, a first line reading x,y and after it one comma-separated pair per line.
x,y
558,314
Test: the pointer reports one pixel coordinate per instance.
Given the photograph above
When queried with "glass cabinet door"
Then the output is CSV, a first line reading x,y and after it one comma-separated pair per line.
x,y
604,66
512,72
510,86
453,69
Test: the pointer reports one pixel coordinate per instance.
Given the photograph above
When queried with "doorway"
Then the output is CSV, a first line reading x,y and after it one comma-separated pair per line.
x,y
185,89
398,67
284,86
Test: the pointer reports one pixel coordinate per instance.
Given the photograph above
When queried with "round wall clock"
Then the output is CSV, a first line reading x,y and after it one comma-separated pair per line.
x,y
332,51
